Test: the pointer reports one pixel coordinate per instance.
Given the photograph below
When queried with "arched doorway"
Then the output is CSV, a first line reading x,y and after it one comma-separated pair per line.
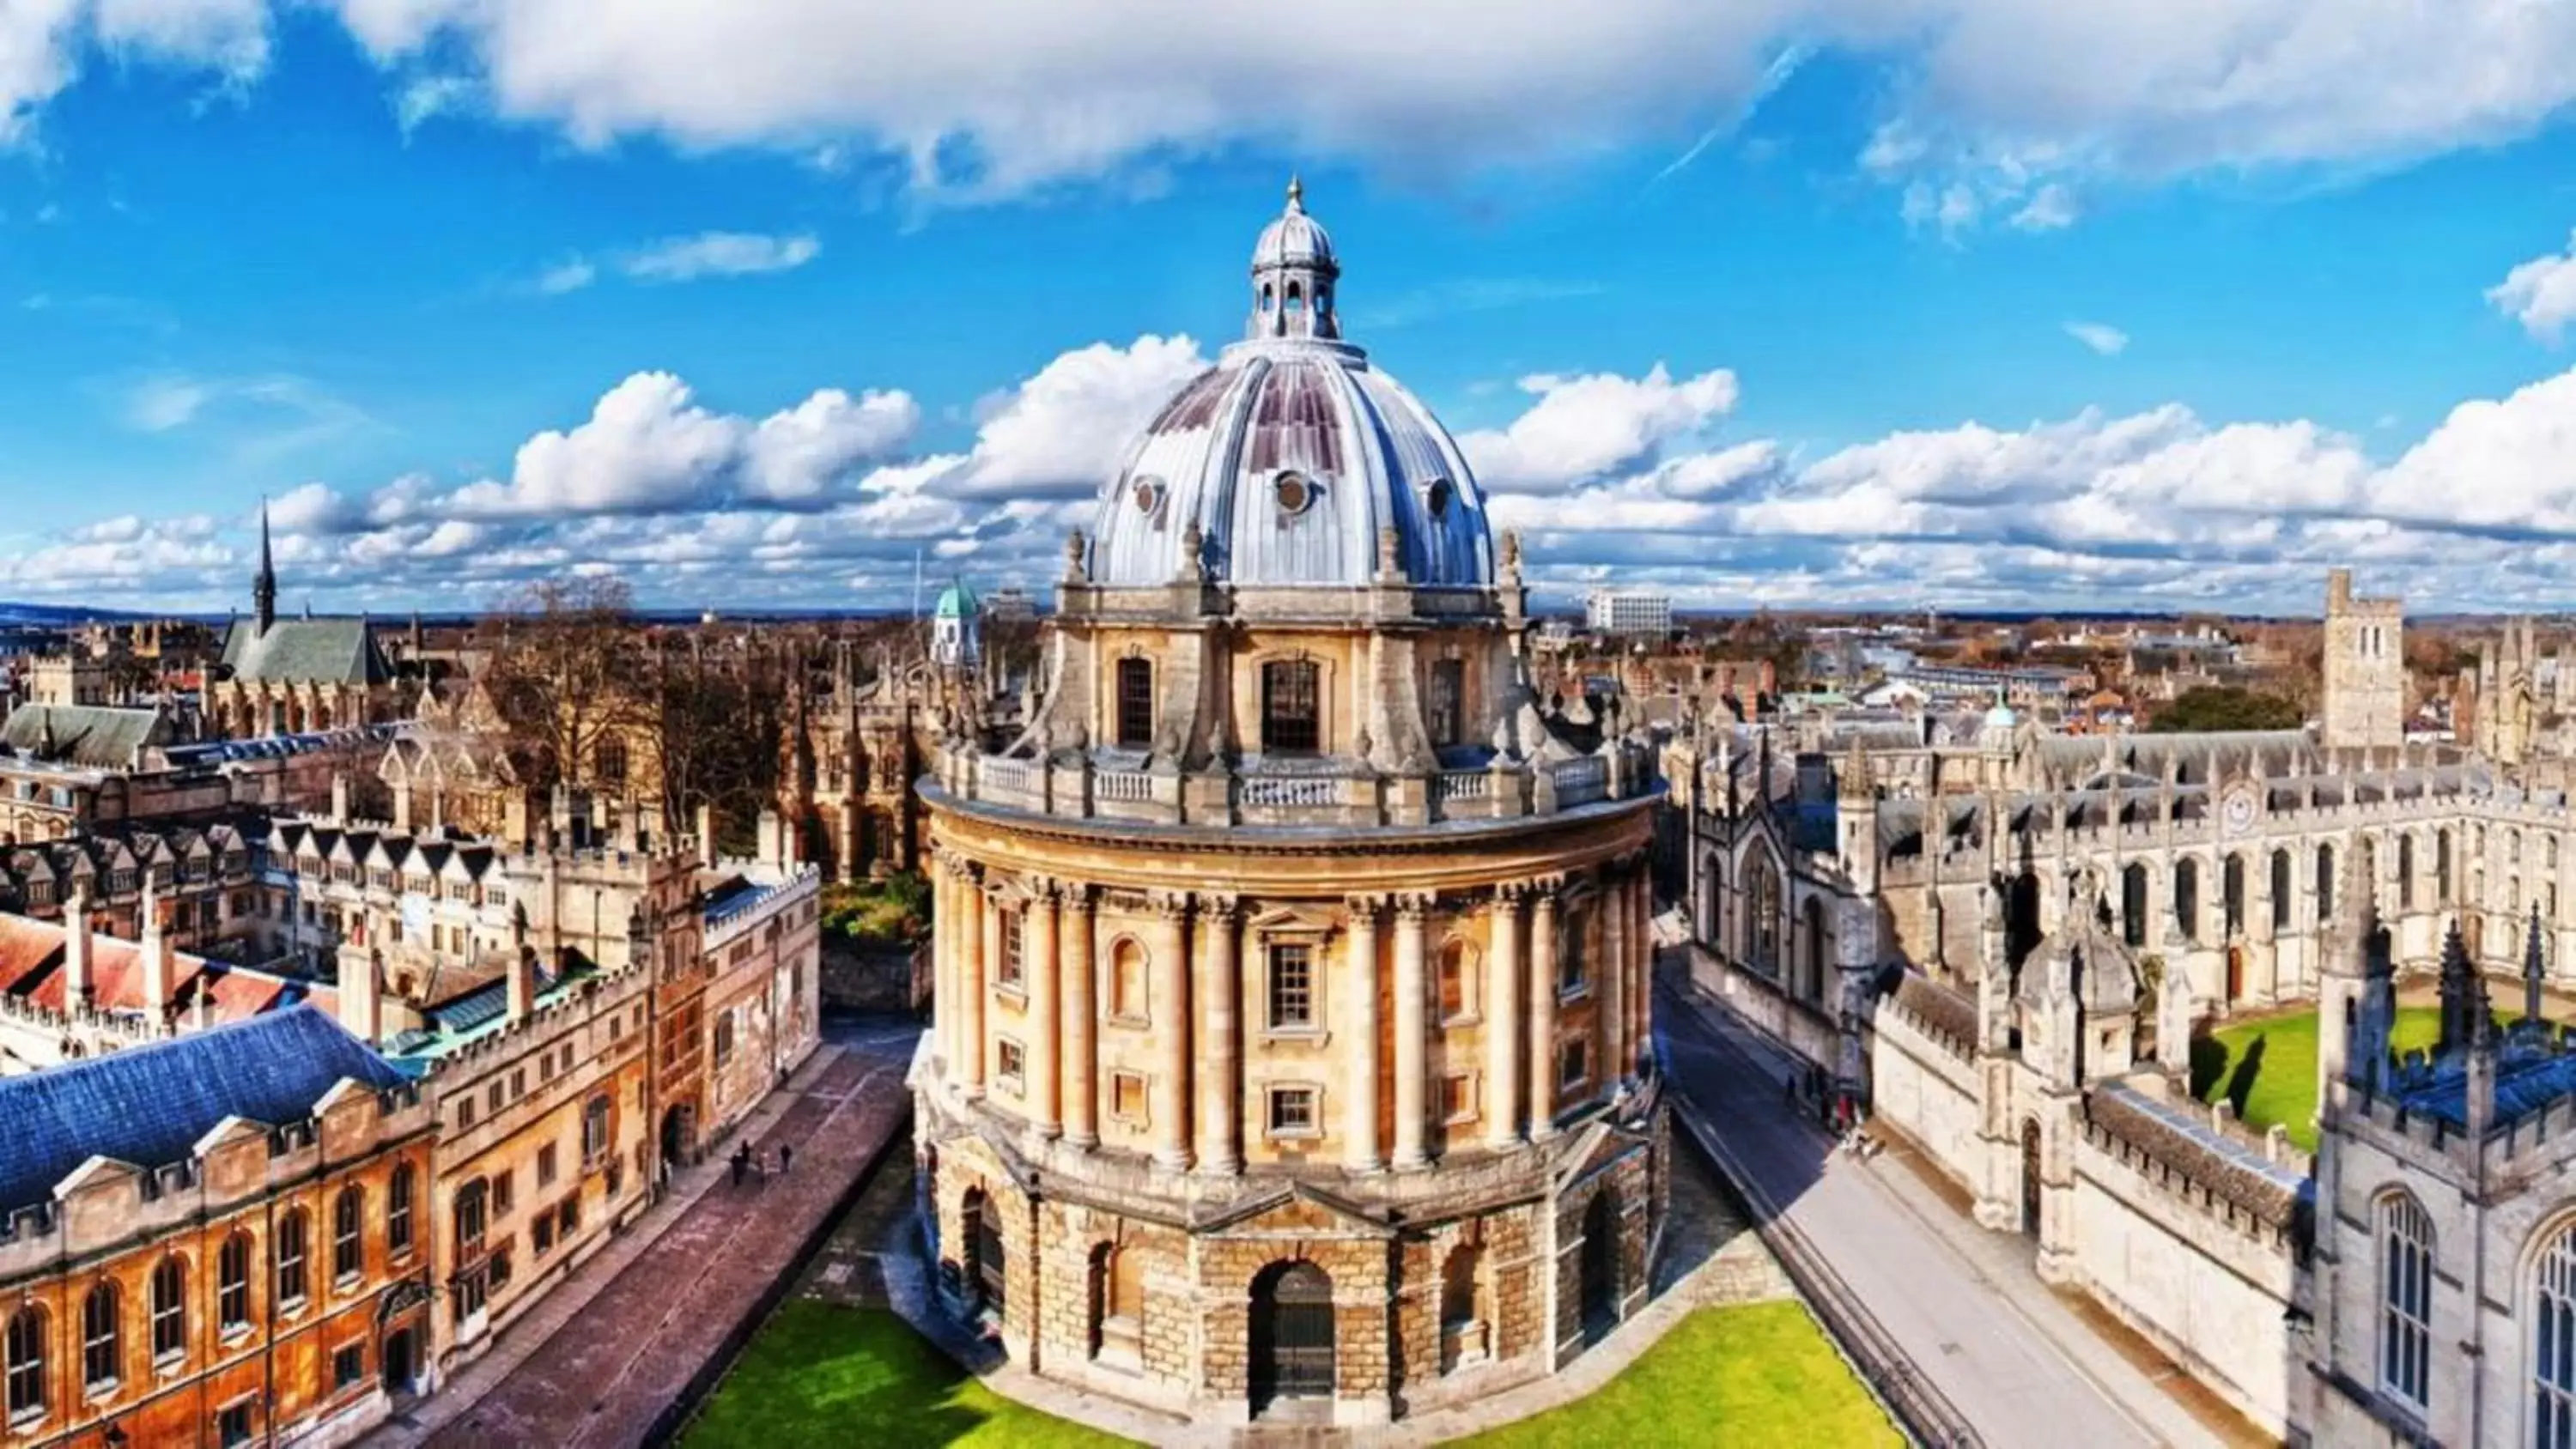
x,y
1292,1338
1600,1268
2235,974
679,1131
2030,1177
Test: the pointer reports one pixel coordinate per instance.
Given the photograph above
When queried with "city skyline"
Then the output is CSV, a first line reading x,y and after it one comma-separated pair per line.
x,y
1829,304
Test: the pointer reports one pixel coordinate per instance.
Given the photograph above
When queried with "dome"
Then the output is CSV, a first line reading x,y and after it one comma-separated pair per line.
x,y
1291,457
955,602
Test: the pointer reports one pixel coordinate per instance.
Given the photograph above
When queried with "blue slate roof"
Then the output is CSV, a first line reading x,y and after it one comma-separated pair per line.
x,y
148,1105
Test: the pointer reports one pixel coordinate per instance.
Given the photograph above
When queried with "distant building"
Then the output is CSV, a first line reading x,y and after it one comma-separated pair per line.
x,y
2365,670
1010,606
1629,611
291,676
957,628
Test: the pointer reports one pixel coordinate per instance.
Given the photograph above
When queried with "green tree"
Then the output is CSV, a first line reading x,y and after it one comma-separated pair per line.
x,y
2199,711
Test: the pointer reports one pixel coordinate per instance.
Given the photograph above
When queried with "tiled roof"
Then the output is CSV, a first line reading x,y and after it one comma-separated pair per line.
x,y
300,651
149,1105
2271,1192
31,957
92,736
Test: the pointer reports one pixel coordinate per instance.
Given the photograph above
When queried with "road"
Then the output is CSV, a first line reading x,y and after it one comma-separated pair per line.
x,y
1976,1322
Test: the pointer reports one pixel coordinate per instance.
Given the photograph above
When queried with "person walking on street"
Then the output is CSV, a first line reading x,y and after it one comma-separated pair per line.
x,y
786,1158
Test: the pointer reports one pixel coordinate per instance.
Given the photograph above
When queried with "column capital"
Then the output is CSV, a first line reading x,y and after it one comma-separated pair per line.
x,y
1365,905
1219,906
1075,894
1170,905
1412,906
1545,890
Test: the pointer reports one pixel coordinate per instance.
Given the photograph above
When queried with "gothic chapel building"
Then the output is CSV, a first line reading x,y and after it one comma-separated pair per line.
x,y
1291,1055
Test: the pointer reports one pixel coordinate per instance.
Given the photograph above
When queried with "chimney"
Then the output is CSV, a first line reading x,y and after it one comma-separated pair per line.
x,y
339,797
773,839
78,984
362,1000
523,984
159,960
707,836
402,807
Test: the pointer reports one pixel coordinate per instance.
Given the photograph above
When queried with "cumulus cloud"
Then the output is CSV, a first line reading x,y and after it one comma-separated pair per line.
x,y
1060,431
720,254
2540,294
2102,337
1584,427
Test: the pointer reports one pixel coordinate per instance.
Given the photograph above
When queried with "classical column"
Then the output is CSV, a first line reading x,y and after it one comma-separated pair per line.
x,y
1045,1027
1641,979
1542,1042
1081,1078
1504,994
1220,992
944,1005
1609,991
980,940
1172,1029
1359,988
1412,1110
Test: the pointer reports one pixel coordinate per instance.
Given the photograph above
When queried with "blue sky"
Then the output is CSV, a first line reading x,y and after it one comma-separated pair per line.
x,y
1967,302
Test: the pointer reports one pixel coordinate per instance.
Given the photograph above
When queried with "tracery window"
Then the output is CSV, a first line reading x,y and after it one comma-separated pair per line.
x,y
2281,901
232,1283
348,1249
2553,1343
2406,1299
290,1257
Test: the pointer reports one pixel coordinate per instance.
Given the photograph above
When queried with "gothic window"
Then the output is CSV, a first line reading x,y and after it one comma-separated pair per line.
x,y
27,1386
2513,847
398,1192
1135,703
2232,893
1291,706
232,1284
1762,926
2405,872
1127,980
2406,1299
2442,868
348,1248
169,1309
102,1338
2133,905
2553,1343
2186,889
1444,706
2325,884
291,1284
2281,890
1292,985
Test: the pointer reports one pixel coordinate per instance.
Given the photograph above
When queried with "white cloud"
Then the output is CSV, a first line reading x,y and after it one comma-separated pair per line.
x,y
160,404
1060,431
1584,427
719,254
2540,294
2051,208
564,277
2102,337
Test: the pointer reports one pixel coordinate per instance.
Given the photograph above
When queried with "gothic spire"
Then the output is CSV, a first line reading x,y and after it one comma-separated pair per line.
x,y
263,590
2459,992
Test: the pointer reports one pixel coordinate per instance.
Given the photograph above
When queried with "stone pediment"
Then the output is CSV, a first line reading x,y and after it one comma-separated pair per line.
x,y
1596,1147
1296,1209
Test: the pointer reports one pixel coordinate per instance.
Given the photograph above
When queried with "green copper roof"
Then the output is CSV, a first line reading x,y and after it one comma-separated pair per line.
x,y
957,602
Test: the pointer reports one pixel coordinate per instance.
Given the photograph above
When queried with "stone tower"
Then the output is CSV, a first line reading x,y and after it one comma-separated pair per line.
x,y
2365,669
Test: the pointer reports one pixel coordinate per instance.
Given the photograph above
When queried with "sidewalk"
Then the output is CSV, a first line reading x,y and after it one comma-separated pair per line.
x,y
612,1349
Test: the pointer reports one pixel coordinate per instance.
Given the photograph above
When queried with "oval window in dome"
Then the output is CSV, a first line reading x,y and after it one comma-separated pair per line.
x,y
1436,496
1148,494
1294,491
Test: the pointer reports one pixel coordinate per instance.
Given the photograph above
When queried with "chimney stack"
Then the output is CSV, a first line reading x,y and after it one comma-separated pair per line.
x,y
339,797
523,984
159,962
707,836
773,839
78,982
362,1000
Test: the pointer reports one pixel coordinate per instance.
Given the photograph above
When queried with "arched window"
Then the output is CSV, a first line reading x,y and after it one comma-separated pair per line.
x,y
1817,949
1455,988
1292,707
2406,872
1117,1301
2232,893
232,1283
2325,884
2406,1299
1127,979
2281,890
2553,1343
102,1339
2186,889
348,1248
28,1395
1135,703
2442,868
2133,905
398,1195
471,1200
169,1309
1762,925
1296,296
291,1235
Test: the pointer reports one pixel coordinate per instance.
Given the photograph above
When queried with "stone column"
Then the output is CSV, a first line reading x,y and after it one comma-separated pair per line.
x,y
1045,1026
1504,993
980,940
1412,1030
1542,1042
1220,1120
1359,1011
1081,1078
1609,989
944,991
1172,1027
1641,993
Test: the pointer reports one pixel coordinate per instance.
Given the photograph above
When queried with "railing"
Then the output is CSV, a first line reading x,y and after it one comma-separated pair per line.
x,y
1008,777
1580,782
1270,791
1454,785
1122,785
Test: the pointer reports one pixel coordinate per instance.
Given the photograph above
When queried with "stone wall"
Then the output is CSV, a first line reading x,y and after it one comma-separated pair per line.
x,y
1760,1000
1926,1087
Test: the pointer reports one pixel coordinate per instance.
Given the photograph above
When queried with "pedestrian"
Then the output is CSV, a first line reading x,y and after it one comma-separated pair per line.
x,y
740,1161
786,1158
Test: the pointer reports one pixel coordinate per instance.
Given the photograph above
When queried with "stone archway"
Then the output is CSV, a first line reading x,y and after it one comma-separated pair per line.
x,y
1292,1339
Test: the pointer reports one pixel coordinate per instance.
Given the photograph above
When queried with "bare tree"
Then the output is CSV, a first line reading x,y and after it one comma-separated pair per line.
x,y
718,710
563,674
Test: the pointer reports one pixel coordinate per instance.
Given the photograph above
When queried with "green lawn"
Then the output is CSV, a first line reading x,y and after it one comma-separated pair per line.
x,y
1747,1376
820,1374
2269,1067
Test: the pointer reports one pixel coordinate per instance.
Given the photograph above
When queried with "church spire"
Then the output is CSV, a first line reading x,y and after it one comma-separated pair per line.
x,y
263,590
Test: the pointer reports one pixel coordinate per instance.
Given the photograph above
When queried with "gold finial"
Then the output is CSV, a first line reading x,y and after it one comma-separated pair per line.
x,y
1296,193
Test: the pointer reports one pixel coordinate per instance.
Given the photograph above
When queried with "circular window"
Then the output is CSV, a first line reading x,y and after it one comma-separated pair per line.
x,y
1148,494
1293,491
1437,496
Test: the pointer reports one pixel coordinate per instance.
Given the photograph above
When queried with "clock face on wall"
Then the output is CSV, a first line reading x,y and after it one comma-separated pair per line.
x,y
2236,810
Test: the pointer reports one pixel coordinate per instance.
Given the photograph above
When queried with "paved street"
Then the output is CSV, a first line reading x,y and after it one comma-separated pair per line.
x,y
2008,1353
607,1354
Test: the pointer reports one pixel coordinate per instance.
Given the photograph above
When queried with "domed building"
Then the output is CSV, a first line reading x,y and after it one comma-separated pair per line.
x,y
1291,1056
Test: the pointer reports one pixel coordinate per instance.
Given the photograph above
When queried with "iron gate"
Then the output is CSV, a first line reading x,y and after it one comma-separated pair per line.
x,y
1292,1350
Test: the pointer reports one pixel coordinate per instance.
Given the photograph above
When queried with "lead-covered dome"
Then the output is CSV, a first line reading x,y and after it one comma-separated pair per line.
x,y
1292,455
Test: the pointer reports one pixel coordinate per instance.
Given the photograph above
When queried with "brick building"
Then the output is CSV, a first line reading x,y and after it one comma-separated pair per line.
x,y
215,1240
